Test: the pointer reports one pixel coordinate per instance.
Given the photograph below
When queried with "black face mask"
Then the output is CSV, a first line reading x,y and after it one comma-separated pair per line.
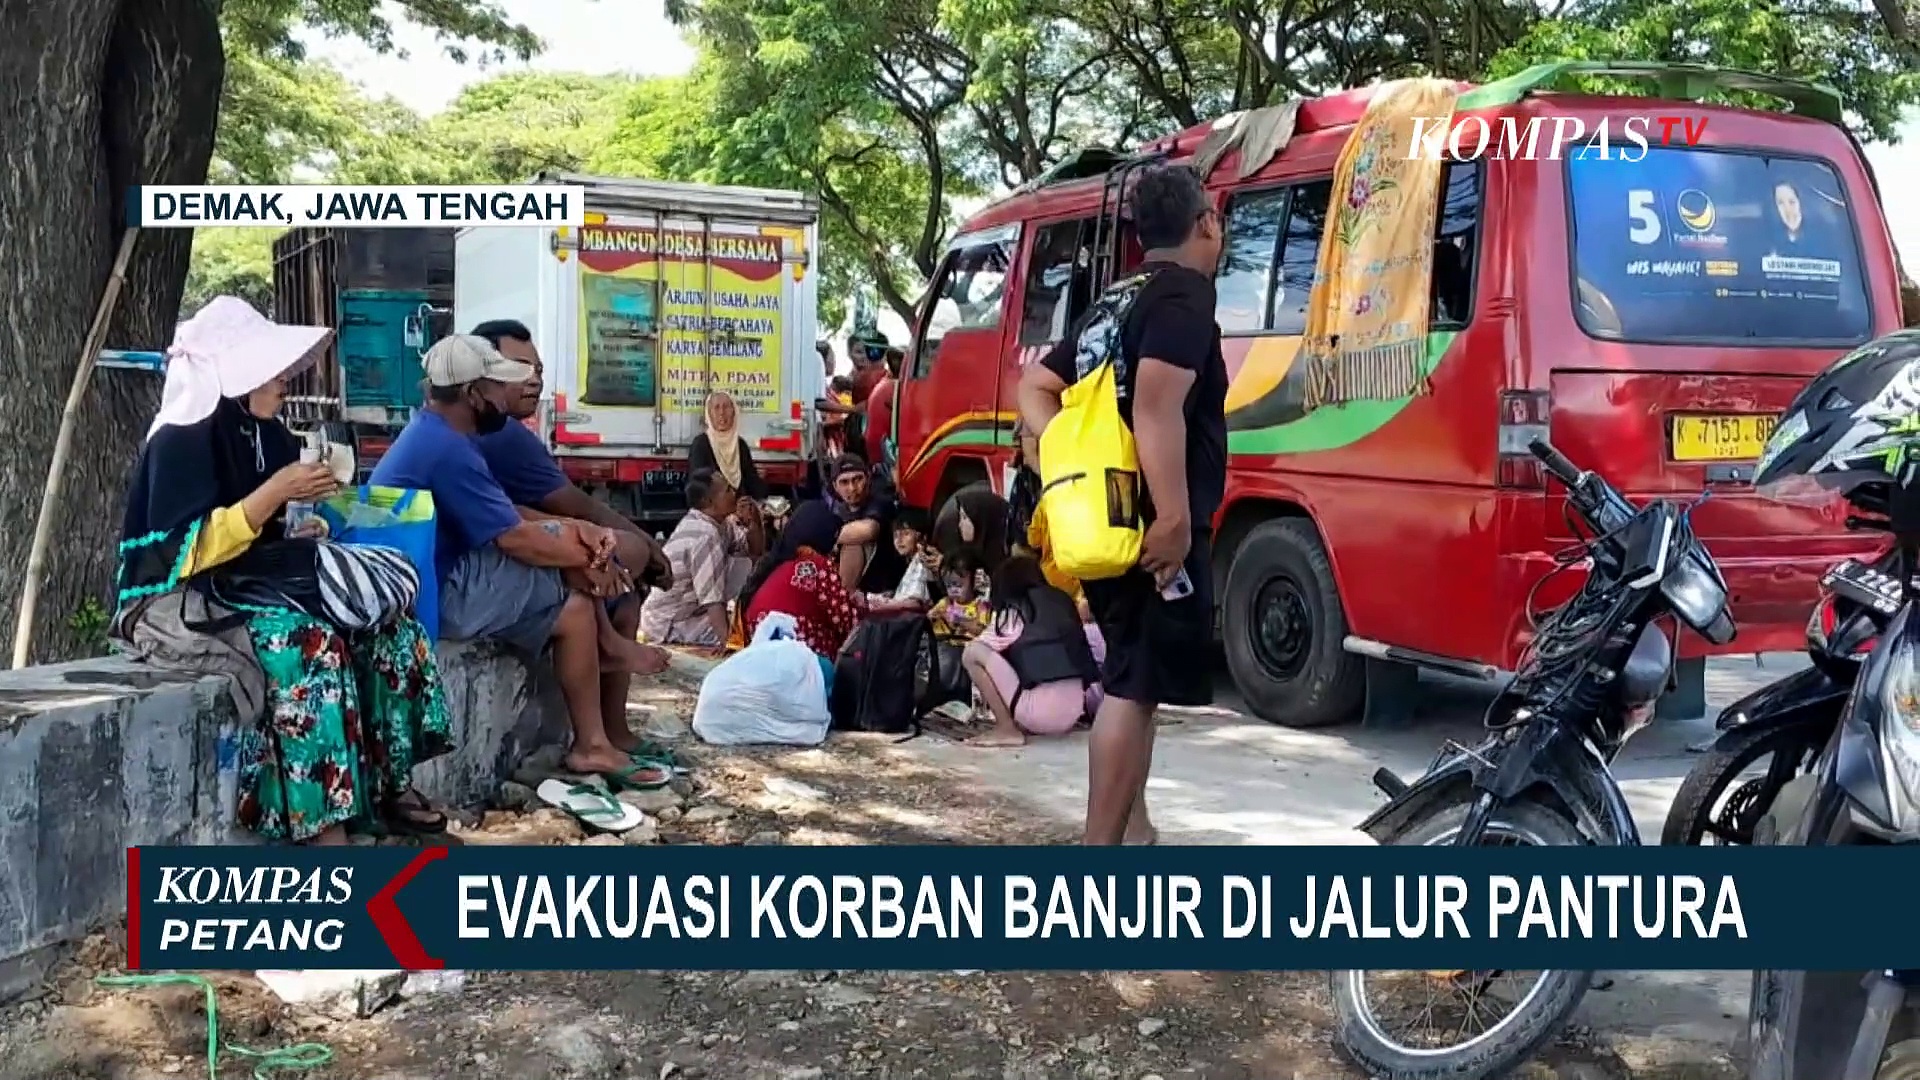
x,y
487,417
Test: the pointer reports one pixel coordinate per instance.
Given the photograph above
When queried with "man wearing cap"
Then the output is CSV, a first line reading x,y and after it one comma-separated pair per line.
x,y
868,561
520,578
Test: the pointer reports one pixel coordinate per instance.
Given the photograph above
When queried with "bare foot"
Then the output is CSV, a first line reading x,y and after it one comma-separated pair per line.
x,y
633,657
1146,837
997,738
650,660
609,759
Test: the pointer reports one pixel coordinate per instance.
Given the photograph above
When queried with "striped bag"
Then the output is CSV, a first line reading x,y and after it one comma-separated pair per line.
x,y
352,586
362,587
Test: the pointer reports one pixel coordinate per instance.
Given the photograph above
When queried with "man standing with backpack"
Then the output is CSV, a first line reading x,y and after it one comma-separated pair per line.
x,y
1172,388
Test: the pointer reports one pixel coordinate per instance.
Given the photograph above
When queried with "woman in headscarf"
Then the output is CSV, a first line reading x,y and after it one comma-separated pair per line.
x,y
342,717
800,577
721,449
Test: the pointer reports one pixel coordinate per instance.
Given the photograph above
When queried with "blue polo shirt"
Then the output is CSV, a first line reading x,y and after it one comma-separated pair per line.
x,y
522,464
469,505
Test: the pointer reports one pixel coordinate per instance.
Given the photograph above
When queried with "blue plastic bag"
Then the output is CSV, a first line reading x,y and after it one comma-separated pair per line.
x,y
398,518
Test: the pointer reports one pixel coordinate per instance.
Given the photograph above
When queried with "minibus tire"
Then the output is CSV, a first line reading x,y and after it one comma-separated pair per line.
x,y
1331,685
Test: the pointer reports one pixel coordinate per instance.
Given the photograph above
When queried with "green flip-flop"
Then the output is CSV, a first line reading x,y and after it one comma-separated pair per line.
x,y
652,753
623,779
590,805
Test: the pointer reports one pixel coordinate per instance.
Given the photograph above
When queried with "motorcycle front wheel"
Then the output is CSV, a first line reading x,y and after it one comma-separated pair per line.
x,y
1451,1025
1718,803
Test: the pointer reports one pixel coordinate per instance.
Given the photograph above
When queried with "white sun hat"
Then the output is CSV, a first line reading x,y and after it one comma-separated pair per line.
x,y
226,350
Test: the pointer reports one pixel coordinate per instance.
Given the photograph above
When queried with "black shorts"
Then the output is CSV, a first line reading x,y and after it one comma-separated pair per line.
x,y
1159,651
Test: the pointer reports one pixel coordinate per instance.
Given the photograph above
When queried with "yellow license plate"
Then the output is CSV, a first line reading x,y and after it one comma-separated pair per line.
x,y
1720,438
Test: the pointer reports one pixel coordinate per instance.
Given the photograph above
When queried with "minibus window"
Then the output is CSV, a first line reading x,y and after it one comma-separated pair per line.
x,y
1299,254
967,295
1059,281
1456,239
1245,278
1715,247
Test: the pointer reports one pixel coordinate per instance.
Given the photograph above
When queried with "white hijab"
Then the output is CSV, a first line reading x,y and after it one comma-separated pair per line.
x,y
226,350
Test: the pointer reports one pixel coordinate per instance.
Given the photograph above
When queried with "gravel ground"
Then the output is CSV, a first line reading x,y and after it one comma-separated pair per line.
x,y
768,1025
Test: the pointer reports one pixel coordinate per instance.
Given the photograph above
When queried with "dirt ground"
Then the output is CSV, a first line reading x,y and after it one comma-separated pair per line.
x,y
768,1025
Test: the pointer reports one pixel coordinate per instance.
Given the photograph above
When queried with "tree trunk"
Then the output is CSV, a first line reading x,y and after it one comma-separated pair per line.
x,y
102,95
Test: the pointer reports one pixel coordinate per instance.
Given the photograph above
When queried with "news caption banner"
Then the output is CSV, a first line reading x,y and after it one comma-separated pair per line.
x,y
200,206
1011,908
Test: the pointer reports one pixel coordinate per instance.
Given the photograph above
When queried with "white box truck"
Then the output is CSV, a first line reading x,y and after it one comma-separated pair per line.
x,y
668,292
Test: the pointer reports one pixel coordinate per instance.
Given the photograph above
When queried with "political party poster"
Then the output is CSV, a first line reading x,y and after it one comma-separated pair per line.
x,y
1716,246
669,314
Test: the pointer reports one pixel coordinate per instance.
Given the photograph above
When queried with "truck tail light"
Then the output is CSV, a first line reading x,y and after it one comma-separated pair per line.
x,y
1523,418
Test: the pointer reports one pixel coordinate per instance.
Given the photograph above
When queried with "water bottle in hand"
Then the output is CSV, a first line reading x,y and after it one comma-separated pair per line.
x,y
300,512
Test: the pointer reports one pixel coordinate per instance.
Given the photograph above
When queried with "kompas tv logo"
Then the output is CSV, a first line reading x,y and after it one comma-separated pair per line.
x,y
1628,139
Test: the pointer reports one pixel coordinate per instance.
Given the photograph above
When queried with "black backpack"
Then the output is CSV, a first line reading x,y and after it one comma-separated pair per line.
x,y
874,682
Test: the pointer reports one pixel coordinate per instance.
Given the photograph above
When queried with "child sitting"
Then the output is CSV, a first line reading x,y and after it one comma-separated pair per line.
x,y
1037,666
957,617
962,615
910,541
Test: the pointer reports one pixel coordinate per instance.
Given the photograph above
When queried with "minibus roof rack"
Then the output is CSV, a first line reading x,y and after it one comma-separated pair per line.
x,y
1082,164
1676,81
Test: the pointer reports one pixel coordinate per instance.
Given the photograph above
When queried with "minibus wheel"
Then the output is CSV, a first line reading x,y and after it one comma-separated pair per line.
x,y
1285,629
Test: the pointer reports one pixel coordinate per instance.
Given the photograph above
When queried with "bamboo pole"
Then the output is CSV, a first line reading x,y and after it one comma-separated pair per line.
x,y
56,470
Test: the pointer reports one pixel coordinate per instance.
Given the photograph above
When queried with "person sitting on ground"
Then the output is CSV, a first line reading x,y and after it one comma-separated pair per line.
x,y
333,721
722,449
711,551
867,562
1037,665
518,576
913,594
974,518
800,578
961,614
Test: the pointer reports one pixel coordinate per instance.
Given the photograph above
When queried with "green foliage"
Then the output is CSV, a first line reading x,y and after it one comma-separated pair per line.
x,y
1828,41
235,262
892,110
281,114
89,624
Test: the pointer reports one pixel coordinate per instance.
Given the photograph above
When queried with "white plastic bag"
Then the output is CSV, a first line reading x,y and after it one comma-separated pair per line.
x,y
776,626
772,691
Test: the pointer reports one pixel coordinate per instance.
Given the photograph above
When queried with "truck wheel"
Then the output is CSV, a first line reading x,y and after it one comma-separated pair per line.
x,y
1284,628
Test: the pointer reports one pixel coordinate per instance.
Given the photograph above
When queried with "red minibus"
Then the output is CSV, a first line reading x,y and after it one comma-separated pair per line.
x,y
1651,316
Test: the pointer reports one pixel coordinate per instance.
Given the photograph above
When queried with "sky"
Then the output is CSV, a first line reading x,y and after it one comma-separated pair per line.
x,y
634,37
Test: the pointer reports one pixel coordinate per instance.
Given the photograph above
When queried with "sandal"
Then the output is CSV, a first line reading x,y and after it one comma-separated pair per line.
x,y
412,815
590,806
625,779
661,757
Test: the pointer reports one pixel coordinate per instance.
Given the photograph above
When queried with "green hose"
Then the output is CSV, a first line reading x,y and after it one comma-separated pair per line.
x,y
299,1056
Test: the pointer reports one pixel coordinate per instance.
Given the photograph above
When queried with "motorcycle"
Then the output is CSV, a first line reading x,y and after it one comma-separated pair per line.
x,y
1786,722
1864,789
1540,776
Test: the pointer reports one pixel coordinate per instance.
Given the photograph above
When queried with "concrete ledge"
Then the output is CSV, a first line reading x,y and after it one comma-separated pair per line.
x,y
101,755
501,709
95,757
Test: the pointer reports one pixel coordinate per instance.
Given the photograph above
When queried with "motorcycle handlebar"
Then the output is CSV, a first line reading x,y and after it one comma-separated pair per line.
x,y
1555,461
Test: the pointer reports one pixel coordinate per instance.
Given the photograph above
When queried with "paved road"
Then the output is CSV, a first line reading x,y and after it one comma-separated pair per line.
x,y
1222,776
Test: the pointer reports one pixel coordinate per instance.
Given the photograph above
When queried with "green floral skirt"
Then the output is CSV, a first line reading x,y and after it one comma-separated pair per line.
x,y
347,719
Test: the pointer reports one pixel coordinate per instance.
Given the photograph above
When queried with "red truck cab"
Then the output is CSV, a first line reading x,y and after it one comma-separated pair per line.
x,y
1651,316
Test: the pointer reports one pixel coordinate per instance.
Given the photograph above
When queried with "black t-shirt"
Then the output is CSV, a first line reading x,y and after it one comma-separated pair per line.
x,y
1172,321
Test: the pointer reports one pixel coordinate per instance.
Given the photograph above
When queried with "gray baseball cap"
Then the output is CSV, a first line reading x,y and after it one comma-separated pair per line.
x,y
463,358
